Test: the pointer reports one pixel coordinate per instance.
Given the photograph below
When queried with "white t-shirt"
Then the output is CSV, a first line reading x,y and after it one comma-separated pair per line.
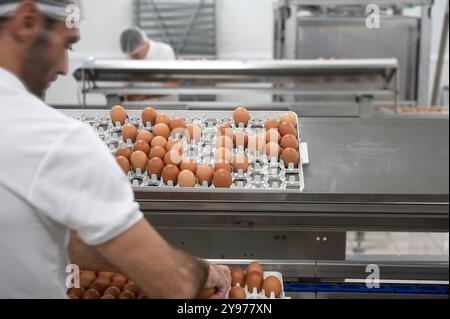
x,y
55,175
160,51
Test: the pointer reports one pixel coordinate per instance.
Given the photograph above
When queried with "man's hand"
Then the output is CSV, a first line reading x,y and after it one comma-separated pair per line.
x,y
219,278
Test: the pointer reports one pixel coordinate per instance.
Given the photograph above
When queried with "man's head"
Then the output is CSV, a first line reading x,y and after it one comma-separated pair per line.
x,y
37,35
134,43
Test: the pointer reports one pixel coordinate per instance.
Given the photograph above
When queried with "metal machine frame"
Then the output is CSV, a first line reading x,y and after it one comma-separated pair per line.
x,y
285,78
286,27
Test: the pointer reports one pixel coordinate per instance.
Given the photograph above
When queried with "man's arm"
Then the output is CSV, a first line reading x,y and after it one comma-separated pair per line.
x,y
87,257
160,270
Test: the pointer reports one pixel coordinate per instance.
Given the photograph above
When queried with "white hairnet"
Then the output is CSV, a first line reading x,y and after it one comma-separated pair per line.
x,y
54,9
131,39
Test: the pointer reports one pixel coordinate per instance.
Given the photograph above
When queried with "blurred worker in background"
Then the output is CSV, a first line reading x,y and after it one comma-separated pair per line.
x,y
137,46
58,178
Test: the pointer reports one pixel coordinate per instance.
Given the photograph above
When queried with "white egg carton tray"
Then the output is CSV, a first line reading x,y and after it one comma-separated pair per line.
x,y
264,173
262,295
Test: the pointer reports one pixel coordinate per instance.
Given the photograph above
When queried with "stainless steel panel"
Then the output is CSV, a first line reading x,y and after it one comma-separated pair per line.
x,y
219,244
348,38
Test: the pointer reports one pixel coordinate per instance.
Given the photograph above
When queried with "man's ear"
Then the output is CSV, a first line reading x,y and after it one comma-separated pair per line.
x,y
27,22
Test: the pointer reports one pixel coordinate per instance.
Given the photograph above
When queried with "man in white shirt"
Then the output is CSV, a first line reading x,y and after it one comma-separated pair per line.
x,y
136,45
57,176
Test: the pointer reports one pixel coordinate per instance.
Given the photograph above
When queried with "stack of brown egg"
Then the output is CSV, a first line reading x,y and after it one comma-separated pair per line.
x,y
105,285
253,280
154,152
282,139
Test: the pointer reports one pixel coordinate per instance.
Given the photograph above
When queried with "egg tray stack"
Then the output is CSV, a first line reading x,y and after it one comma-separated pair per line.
x,y
263,173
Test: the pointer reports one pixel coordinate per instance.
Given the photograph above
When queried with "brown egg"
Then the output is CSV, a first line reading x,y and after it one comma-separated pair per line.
x,y
240,161
177,123
106,274
289,117
194,132
118,283
129,132
224,141
188,164
222,179
223,154
159,141
241,115
89,274
149,115
105,281
99,286
132,287
161,129
290,155
272,284
206,293
287,128
163,118
144,135
224,129
141,146
113,291
139,159
107,296
85,282
240,139
237,293
118,114
155,166
124,163
173,157
256,143
170,173
157,151
187,179
273,150
273,135
123,151
76,293
253,280
289,140
221,164
271,123
204,173
237,277
255,267
127,295
119,277
175,144
91,294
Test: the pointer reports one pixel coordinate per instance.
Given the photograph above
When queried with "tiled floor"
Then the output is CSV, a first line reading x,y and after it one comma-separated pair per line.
x,y
398,244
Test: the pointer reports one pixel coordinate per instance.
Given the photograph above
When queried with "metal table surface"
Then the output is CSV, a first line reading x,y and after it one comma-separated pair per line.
x,y
364,174
377,156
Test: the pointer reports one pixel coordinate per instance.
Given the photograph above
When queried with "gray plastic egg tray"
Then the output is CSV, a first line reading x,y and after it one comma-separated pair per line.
x,y
263,173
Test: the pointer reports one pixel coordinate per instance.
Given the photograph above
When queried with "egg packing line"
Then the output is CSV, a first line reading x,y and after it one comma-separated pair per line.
x,y
262,173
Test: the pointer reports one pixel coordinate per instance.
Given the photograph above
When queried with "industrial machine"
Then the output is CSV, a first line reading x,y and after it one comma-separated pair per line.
x,y
366,172
360,81
338,29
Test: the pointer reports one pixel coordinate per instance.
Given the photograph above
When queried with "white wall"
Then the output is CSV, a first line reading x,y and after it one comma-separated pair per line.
x,y
100,31
245,29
